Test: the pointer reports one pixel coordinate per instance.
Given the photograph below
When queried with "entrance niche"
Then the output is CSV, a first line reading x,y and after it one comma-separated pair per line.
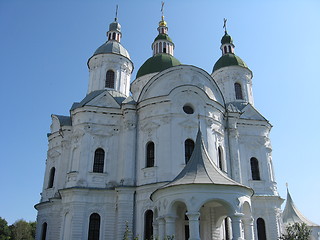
x,y
214,221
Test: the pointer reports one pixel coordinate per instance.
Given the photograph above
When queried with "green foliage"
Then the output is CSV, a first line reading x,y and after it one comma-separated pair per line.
x,y
296,231
5,231
20,230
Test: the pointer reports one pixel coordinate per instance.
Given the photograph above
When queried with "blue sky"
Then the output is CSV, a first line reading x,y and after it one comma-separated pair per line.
x,y
45,46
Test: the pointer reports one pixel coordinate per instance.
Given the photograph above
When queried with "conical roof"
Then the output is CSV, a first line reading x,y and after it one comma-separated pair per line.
x,y
201,170
291,214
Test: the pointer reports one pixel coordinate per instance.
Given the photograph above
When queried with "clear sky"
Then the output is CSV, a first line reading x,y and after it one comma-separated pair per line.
x,y
45,46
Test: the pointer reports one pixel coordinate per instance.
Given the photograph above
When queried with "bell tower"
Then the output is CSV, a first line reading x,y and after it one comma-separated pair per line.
x,y
110,66
232,74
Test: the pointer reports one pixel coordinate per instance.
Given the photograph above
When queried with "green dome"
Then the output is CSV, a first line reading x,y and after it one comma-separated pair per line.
x,y
229,59
162,36
157,63
226,39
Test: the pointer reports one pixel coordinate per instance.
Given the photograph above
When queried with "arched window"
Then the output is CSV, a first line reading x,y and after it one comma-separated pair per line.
x,y
225,49
238,91
255,169
98,161
148,228
229,47
160,47
44,231
220,158
94,227
51,177
261,228
150,155
113,36
110,79
188,149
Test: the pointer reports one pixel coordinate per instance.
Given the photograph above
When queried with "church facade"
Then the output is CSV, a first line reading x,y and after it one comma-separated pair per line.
x,y
177,152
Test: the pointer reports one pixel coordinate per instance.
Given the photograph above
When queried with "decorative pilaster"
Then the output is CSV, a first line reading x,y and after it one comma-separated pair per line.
x,y
170,226
236,226
234,150
161,225
248,228
124,210
194,225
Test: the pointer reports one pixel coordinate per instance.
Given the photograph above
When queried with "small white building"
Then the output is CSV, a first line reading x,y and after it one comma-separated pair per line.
x,y
177,152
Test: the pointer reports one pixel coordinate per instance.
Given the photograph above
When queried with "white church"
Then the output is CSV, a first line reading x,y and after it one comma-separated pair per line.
x,y
176,153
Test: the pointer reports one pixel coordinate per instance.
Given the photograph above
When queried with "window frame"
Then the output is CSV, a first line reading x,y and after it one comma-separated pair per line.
x,y
98,160
150,154
110,79
255,170
189,145
94,226
238,91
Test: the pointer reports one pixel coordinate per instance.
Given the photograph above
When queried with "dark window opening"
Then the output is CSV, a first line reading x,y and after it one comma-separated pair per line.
x,y
225,49
51,177
188,109
255,169
114,36
238,91
229,49
188,149
261,227
110,79
227,228
148,225
44,231
94,227
220,158
150,154
98,162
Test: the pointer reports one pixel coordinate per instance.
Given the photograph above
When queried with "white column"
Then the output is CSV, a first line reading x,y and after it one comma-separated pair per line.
x,y
194,225
155,229
248,228
170,226
161,227
236,226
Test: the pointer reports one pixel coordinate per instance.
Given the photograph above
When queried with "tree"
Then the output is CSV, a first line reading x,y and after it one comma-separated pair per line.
x,y
296,231
22,230
4,230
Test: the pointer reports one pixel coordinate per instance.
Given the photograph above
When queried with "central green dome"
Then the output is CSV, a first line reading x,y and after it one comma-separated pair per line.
x,y
229,59
157,63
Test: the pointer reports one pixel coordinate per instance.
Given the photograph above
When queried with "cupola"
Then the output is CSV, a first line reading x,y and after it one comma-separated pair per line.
x,y
232,74
162,48
110,66
228,57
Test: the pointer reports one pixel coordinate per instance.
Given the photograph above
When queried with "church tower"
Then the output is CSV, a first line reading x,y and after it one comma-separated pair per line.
x,y
232,74
110,66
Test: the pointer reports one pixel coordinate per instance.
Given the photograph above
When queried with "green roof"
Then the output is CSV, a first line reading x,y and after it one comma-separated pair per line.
x,y
157,63
229,59
162,36
226,39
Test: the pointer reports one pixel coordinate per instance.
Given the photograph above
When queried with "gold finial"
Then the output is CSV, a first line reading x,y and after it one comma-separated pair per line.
x,y
116,18
225,25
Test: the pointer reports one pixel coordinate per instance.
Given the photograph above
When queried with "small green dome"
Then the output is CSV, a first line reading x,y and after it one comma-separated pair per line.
x,y
162,36
157,63
229,59
226,39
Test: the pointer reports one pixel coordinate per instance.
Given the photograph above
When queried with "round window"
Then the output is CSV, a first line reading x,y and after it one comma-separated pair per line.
x,y
188,109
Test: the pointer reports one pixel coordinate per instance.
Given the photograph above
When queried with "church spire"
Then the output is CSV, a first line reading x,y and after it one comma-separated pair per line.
x,y
162,43
114,32
226,41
